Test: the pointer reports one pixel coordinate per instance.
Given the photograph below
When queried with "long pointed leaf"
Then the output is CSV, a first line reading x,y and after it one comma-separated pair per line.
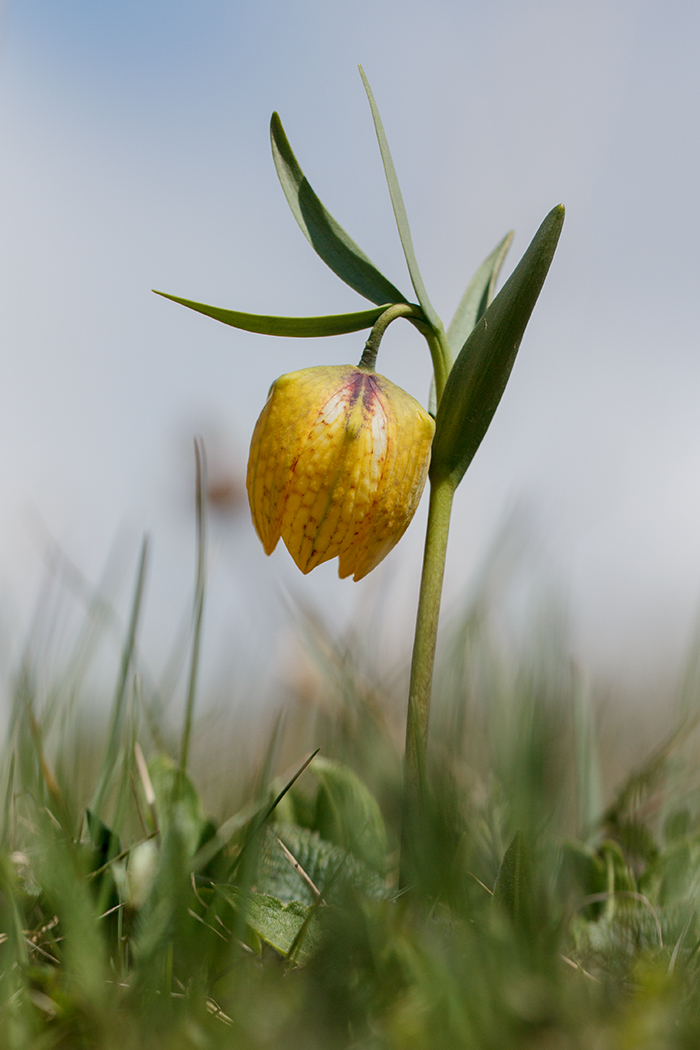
x,y
480,373
478,295
326,236
400,211
294,327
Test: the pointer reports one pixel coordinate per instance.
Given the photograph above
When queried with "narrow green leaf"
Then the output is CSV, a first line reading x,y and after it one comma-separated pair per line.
x,y
480,373
327,237
478,295
513,890
400,211
292,327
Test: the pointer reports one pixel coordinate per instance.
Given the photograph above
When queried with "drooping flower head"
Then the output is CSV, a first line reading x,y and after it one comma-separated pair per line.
x,y
338,463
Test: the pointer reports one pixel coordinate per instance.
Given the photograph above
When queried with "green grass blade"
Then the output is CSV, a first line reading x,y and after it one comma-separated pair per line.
x,y
60,870
478,377
119,702
200,587
328,239
13,919
255,814
589,787
400,211
291,327
5,836
478,295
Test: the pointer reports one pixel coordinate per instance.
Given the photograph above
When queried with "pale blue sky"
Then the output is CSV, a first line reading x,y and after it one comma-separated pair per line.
x,y
135,154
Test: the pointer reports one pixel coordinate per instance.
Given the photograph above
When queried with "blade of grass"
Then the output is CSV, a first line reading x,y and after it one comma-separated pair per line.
x,y
200,587
119,702
7,808
239,820
15,927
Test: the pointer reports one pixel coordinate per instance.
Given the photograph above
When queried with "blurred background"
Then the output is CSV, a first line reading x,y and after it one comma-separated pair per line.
x,y
134,154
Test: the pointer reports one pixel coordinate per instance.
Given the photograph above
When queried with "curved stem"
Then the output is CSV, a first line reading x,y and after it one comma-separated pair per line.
x,y
368,361
441,355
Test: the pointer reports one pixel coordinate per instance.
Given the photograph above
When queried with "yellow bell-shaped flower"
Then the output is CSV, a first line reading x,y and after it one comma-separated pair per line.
x,y
337,466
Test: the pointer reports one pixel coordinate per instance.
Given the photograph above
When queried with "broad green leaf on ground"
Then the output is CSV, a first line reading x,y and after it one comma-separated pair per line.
x,y
478,296
320,860
400,211
291,327
324,234
479,375
513,890
278,924
177,802
613,945
347,813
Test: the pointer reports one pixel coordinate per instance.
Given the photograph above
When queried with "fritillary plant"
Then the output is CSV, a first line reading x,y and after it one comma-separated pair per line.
x,y
340,454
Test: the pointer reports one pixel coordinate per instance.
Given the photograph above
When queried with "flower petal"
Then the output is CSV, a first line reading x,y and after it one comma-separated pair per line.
x,y
338,462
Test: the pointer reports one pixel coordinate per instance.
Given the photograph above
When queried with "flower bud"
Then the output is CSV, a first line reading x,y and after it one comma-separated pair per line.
x,y
337,466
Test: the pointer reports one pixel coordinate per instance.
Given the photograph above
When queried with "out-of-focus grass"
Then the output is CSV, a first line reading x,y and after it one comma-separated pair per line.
x,y
235,906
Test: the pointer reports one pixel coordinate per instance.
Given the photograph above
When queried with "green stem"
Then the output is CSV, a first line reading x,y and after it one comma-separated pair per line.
x,y
441,495
439,511
442,357
368,361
